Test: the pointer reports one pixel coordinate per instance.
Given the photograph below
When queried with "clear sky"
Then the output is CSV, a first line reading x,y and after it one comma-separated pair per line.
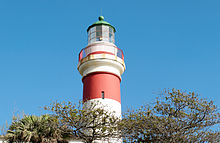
x,y
167,44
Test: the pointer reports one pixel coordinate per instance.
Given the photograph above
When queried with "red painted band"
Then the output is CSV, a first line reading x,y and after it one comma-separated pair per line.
x,y
101,85
101,72
100,52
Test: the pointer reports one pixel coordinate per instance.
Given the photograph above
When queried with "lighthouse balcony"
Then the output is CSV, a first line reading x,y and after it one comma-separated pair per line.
x,y
101,48
101,57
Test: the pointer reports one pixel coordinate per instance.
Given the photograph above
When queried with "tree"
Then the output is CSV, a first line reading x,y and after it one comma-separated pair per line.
x,y
176,116
87,124
36,129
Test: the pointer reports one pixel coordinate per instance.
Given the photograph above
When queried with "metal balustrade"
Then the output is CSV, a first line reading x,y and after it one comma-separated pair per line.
x,y
114,51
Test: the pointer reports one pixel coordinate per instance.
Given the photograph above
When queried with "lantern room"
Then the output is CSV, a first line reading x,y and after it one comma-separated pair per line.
x,y
101,31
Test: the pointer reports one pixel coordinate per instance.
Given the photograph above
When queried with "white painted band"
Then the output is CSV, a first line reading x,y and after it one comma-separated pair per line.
x,y
101,63
110,105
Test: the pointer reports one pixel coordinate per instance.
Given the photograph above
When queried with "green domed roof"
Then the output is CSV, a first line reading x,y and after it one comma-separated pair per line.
x,y
101,22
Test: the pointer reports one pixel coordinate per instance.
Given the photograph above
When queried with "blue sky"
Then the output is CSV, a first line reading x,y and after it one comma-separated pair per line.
x,y
167,44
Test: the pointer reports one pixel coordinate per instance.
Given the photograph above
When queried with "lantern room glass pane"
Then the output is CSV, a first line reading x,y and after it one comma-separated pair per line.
x,y
98,34
98,28
110,30
111,35
105,32
105,28
92,29
101,33
92,35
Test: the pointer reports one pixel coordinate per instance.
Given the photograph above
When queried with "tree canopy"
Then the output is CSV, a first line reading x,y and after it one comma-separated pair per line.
x,y
176,116
37,129
86,124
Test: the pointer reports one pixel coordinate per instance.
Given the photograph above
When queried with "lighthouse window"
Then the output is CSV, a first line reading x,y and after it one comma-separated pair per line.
x,y
110,30
92,36
105,31
103,95
92,29
101,33
98,33
111,35
99,28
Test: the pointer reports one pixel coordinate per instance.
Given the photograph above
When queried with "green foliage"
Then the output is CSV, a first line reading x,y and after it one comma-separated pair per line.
x,y
88,123
35,129
176,116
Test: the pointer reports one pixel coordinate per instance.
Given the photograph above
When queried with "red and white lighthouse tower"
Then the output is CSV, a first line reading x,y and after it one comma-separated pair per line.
x,y
101,65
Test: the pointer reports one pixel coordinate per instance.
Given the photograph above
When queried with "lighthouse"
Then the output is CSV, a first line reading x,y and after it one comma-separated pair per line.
x,y
101,64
